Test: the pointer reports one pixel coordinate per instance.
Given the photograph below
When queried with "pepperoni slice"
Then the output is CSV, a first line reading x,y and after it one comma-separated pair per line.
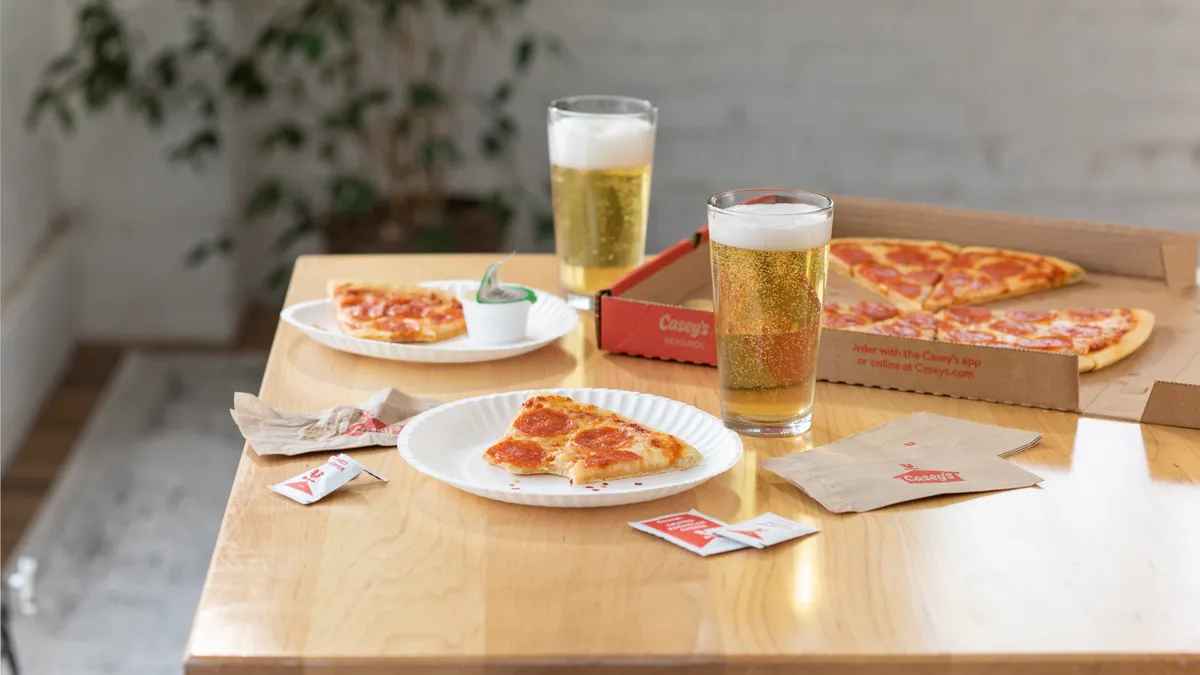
x,y
969,314
1029,315
925,276
517,452
1048,343
410,309
1077,330
918,319
543,422
905,288
1013,327
399,324
877,272
877,310
908,256
970,337
850,254
608,457
1003,269
1088,314
602,438
844,320
897,329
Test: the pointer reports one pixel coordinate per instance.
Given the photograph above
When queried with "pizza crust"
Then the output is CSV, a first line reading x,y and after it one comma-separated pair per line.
x,y
1128,344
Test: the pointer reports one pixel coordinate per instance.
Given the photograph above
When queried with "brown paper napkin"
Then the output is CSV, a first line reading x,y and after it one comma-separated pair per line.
x,y
377,421
918,456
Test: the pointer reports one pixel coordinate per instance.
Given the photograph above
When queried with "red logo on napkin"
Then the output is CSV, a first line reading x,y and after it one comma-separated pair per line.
x,y
368,423
917,476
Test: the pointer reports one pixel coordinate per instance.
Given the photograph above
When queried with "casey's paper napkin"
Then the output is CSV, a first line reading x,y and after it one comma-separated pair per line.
x,y
377,421
918,456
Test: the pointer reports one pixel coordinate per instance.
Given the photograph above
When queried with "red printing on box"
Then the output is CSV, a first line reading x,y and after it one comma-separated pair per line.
x,y
643,329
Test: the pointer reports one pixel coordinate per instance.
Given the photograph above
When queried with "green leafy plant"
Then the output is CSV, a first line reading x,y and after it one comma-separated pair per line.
x,y
372,93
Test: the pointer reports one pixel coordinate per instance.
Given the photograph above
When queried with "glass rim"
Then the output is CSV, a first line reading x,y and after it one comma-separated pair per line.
x,y
824,204
558,103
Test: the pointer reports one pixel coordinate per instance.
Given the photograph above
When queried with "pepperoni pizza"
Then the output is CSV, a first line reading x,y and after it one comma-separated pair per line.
x,y
879,318
560,436
932,275
396,313
978,275
1100,337
905,271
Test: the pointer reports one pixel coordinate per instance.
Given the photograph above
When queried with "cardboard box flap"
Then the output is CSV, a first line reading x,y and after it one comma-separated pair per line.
x,y
1098,247
965,371
688,274
1176,403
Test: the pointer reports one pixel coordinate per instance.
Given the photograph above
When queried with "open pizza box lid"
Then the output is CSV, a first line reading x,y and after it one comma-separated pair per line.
x,y
663,310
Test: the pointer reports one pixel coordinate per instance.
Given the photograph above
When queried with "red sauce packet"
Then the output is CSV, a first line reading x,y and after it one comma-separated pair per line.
x,y
690,530
765,530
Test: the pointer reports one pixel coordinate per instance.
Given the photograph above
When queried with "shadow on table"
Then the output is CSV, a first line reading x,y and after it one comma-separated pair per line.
x,y
545,367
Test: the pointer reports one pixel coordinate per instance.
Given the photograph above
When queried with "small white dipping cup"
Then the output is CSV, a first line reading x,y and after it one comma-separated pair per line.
x,y
498,323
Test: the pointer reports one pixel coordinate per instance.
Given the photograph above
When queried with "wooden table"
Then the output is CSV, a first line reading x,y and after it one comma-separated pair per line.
x,y
1098,568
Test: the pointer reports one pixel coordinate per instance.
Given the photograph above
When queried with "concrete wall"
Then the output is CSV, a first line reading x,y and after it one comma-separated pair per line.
x,y
1081,108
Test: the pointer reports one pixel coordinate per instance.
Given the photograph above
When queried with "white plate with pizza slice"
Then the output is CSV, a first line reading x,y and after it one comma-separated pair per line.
x,y
449,442
550,318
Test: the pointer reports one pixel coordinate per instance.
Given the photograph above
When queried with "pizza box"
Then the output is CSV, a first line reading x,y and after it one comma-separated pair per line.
x,y
663,310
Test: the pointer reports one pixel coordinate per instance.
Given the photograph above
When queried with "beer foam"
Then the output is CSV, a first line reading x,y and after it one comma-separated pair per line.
x,y
601,142
771,227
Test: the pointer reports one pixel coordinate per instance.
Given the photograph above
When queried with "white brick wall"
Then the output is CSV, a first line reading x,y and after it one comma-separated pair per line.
x,y
1074,108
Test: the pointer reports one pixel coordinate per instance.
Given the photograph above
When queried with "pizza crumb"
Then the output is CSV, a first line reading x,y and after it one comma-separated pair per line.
x,y
637,483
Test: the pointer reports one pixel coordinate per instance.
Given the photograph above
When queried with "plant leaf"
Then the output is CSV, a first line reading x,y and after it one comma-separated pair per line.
x,y
501,208
60,64
491,144
197,255
425,95
245,80
502,93
165,69
352,195
225,244
287,134
434,150
524,52
543,227
42,98
264,200
278,277
311,44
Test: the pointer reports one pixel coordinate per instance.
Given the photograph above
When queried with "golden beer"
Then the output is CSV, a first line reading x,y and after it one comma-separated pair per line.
x,y
601,153
599,224
768,264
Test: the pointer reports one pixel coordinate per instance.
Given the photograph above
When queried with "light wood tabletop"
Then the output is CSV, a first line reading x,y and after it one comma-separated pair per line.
x,y
1095,571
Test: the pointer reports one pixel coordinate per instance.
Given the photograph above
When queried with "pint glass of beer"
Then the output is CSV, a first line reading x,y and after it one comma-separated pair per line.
x,y
601,151
769,250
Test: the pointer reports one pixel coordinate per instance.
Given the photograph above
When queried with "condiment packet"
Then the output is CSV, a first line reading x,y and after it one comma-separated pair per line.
x,y
376,421
765,530
691,530
491,292
312,485
918,456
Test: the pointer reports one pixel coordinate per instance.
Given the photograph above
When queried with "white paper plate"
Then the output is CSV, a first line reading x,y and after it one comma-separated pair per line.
x,y
448,442
549,319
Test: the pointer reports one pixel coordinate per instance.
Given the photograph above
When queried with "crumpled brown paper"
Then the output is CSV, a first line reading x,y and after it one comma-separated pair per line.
x,y
377,421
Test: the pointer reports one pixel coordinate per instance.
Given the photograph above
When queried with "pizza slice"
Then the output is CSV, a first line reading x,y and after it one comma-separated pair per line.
x,y
905,271
396,313
1099,337
879,318
978,275
557,435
